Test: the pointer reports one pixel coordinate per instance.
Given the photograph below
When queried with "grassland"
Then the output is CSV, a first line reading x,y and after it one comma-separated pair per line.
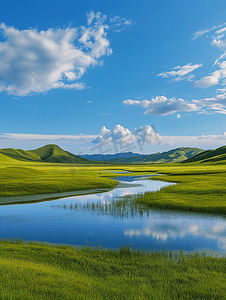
x,y
200,187
39,271
27,178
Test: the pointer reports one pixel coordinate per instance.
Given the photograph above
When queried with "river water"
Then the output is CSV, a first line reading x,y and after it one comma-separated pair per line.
x,y
97,219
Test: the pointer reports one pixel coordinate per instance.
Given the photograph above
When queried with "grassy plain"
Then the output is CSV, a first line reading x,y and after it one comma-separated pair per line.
x,y
200,187
27,178
39,271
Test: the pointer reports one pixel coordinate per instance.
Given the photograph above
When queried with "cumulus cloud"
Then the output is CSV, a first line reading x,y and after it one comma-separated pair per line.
x,y
33,61
162,106
117,135
122,139
179,73
147,134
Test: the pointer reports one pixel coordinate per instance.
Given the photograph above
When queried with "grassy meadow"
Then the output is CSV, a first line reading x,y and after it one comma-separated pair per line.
x,y
30,178
40,271
200,187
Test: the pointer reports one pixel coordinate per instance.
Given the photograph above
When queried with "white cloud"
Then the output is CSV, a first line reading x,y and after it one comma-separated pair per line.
x,y
120,24
83,143
204,32
179,73
118,135
221,30
208,81
147,135
43,137
214,137
201,32
33,61
162,106
122,139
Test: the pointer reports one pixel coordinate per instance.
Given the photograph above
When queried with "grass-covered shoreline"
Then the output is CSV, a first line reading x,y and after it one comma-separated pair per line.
x,y
199,188
45,178
41,271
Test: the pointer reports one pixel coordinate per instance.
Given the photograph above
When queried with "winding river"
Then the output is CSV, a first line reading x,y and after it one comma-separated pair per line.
x,y
102,219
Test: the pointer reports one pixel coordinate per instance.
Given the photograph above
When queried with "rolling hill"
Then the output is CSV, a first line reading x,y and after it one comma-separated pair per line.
x,y
174,155
48,153
216,155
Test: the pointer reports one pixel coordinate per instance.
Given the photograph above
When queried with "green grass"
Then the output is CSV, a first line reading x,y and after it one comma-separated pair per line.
x,y
199,188
18,177
174,155
39,271
49,153
21,180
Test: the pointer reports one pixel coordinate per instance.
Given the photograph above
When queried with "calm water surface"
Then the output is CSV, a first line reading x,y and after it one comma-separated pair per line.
x,y
94,219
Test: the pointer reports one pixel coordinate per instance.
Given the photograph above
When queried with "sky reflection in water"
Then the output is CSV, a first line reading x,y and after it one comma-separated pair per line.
x,y
97,218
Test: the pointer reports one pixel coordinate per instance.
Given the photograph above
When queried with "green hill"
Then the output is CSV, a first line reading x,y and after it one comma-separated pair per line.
x,y
216,155
48,153
174,155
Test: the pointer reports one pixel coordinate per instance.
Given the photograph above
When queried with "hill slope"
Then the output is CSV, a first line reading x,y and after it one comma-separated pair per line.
x,y
216,155
48,153
174,155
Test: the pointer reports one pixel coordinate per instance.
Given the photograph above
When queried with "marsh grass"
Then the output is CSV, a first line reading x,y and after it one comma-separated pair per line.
x,y
41,271
121,207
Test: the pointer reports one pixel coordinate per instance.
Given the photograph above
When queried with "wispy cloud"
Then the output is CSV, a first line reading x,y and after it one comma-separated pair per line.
x,y
205,32
33,61
179,73
45,137
119,24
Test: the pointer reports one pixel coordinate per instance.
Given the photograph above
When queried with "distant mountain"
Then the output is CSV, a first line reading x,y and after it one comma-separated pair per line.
x,y
48,153
174,155
54,154
216,155
108,157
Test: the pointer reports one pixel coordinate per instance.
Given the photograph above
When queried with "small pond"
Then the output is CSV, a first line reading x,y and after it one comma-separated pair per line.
x,y
106,219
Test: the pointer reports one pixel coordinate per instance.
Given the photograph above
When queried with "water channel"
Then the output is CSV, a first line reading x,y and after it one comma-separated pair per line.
x,y
98,218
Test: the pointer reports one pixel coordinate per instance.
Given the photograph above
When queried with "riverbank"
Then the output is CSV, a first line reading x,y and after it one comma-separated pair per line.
x,y
40,271
199,188
35,179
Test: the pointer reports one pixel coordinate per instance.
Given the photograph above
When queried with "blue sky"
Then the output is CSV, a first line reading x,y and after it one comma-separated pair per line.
x,y
96,76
